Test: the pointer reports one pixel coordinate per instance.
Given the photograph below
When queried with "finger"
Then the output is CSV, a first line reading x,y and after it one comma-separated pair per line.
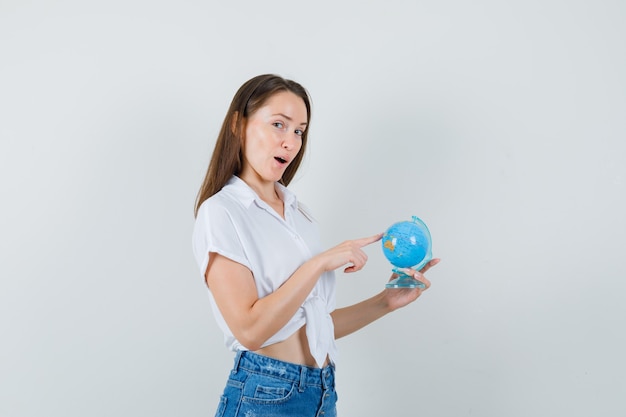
x,y
421,278
352,268
358,263
417,275
368,240
360,260
430,265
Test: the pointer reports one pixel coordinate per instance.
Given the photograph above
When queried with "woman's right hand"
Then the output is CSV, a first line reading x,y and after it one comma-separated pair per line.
x,y
349,252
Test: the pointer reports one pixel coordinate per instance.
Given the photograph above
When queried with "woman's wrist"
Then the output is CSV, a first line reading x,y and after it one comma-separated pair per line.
x,y
382,303
317,265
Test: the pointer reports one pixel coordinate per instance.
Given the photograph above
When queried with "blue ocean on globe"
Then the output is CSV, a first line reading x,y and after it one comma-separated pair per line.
x,y
407,244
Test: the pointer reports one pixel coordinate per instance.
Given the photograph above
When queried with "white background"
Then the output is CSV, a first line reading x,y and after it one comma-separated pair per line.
x,y
501,124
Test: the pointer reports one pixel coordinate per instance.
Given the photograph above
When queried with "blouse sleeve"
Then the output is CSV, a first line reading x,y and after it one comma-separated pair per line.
x,y
214,231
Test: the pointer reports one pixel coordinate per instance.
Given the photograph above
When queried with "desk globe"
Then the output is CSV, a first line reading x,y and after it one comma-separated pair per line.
x,y
407,244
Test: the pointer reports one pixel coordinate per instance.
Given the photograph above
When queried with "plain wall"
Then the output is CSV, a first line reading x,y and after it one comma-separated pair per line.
x,y
501,124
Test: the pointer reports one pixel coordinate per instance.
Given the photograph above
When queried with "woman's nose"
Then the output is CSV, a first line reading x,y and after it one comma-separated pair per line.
x,y
288,142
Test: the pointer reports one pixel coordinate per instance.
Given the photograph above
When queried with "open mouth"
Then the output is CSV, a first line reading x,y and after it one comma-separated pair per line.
x,y
281,160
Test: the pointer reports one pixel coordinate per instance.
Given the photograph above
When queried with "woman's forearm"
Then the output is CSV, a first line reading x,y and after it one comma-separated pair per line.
x,y
349,319
269,314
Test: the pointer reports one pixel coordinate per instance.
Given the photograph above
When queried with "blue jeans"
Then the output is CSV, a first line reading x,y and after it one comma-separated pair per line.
x,y
261,386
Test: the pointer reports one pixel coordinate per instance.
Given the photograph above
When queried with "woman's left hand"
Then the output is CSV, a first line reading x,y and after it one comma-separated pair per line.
x,y
399,297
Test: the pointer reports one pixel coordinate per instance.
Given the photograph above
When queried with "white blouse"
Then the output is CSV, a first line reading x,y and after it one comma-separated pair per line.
x,y
237,224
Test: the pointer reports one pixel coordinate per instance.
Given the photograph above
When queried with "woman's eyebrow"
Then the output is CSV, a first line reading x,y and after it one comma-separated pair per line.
x,y
288,118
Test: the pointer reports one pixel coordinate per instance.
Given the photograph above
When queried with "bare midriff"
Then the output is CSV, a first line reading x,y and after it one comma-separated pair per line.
x,y
294,349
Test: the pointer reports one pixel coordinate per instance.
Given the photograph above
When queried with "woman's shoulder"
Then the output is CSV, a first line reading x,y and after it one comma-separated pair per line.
x,y
218,204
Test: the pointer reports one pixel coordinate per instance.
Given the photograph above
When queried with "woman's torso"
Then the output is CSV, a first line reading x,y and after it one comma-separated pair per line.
x,y
294,349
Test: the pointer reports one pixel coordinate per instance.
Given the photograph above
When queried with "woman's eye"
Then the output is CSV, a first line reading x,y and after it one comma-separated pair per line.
x,y
299,132
278,125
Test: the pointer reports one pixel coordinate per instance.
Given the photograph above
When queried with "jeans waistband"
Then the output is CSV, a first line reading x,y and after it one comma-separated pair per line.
x,y
304,375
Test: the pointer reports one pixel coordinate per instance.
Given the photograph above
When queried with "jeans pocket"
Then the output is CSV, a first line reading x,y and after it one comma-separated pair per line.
x,y
270,393
267,390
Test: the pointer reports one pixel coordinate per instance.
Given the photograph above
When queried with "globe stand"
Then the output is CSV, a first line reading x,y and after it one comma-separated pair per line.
x,y
404,281
407,245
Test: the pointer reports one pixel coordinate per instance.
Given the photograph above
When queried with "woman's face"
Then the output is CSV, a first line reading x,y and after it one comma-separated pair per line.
x,y
273,138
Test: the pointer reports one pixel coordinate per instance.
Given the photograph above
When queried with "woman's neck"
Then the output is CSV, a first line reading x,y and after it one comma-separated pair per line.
x,y
266,191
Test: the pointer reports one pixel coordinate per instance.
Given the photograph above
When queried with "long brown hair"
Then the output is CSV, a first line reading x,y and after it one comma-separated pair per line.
x,y
227,158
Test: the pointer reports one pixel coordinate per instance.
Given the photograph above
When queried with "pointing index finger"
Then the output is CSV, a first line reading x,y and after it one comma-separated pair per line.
x,y
368,240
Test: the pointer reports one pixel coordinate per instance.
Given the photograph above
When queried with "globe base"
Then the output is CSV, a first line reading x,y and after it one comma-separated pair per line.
x,y
404,281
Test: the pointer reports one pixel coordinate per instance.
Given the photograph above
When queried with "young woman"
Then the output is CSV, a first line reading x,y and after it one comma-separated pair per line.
x,y
271,285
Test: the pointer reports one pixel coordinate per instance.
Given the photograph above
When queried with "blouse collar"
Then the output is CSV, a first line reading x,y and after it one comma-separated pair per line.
x,y
247,195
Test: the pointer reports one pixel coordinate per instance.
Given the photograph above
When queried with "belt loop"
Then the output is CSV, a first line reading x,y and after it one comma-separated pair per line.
x,y
301,384
237,360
